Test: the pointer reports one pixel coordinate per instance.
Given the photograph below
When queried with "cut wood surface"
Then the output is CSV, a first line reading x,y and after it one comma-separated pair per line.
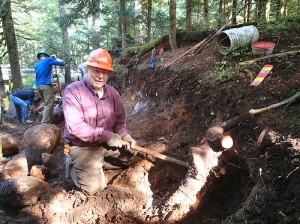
x,y
252,61
286,101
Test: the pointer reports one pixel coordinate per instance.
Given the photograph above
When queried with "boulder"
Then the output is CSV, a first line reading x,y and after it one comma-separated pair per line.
x,y
22,191
58,115
40,171
44,137
17,166
4,176
48,160
9,144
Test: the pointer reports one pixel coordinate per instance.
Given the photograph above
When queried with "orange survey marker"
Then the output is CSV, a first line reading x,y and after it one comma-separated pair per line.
x,y
262,75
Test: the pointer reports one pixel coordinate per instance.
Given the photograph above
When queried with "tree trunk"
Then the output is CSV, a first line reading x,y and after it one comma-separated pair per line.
x,y
123,24
149,16
246,11
66,49
220,17
249,10
268,10
206,17
225,10
11,42
188,14
285,8
277,9
234,5
2,87
260,10
96,26
2,95
172,23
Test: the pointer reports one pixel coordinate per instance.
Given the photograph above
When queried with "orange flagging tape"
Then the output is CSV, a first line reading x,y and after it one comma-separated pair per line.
x,y
262,75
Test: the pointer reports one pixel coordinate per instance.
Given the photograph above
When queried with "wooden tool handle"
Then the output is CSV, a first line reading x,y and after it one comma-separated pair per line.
x,y
286,101
261,110
159,155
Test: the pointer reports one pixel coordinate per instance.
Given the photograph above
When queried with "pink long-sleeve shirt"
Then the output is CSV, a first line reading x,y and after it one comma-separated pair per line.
x,y
89,120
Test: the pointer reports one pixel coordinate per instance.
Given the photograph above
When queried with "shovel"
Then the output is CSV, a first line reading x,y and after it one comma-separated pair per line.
x,y
157,155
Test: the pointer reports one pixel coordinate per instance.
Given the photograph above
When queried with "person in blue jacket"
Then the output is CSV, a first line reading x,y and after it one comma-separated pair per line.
x,y
23,99
152,62
43,71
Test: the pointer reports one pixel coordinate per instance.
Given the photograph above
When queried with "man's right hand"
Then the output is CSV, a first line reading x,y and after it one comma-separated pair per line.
x,y
115,140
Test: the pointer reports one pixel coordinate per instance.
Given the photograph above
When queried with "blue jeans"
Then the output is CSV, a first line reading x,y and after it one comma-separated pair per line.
x,y
21,107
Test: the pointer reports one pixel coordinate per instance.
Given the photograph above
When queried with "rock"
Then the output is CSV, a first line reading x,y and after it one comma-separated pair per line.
x,y
40,171
17,166
33,156
58,116
9,144
48,160
44,137
22,191
2,166
3,177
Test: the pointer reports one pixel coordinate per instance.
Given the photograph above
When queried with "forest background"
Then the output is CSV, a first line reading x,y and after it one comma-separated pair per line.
x,y
73,28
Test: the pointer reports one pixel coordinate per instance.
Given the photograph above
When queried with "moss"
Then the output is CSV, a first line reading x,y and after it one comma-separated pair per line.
x,y
239,216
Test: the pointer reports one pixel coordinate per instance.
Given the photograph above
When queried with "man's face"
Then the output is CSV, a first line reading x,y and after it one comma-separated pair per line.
x,y
97,77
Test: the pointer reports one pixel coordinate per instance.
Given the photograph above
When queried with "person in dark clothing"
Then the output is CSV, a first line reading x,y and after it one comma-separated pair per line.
x,y
23,99
43,71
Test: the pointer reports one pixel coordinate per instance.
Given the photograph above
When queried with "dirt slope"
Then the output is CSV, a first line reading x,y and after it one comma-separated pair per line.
x,y
261,182
170,110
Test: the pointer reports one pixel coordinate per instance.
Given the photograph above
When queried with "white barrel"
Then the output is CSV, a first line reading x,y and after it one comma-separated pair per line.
x,y
230,40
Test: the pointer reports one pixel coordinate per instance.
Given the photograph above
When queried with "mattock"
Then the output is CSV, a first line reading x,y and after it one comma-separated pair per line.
x,y
158,155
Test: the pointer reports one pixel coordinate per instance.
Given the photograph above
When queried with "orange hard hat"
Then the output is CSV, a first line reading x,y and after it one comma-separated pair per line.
x,y
100,58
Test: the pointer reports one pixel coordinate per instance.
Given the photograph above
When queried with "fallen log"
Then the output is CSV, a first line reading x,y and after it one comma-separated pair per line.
x,y
286,101
250,62
187,52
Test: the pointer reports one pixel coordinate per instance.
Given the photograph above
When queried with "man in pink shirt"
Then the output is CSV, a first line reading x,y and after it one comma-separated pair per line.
x,y
95,126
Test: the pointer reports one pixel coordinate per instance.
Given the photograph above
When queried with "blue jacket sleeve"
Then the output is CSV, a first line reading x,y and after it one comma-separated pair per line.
x,y
56,62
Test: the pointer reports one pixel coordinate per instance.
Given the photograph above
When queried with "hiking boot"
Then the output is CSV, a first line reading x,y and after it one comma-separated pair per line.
x,y
28,121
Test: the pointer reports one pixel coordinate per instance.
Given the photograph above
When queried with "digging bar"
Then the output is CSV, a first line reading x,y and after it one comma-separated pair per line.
x,y
158,155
